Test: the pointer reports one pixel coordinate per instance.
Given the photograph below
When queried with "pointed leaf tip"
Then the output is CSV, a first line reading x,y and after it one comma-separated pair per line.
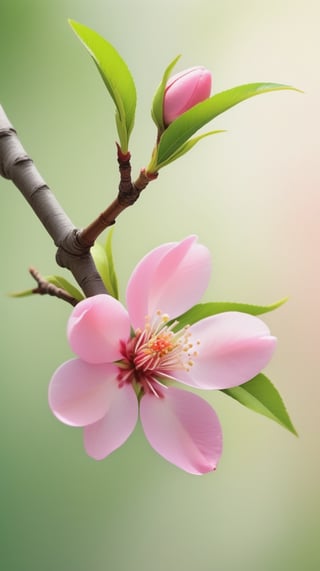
x,y
17,294
180,130
116,76
58,281
157,103
202,310
261,396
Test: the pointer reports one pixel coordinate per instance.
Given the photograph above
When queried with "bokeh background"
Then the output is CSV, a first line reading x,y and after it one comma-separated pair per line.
x,y
252,196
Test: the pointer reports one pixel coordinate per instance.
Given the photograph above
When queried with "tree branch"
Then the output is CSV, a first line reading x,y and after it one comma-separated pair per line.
x,y
17,166
73,244
46,288
128,193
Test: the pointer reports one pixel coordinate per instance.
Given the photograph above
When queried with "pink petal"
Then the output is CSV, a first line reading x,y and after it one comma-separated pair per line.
x,y
79,392
234,347
104,436
183,429
140,283
171,280
95,328
184,90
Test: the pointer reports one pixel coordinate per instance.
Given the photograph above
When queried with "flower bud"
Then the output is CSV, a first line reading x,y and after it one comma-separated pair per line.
x,y
184,90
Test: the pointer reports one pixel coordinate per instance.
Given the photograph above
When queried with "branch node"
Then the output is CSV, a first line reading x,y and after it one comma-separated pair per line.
x,y
47,288
122,157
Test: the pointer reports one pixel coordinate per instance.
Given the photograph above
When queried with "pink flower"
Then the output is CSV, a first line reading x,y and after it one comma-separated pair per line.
x,y
125,354
184,90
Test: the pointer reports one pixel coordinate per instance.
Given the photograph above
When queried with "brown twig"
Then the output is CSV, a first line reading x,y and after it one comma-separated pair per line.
x,y
128,193
46,288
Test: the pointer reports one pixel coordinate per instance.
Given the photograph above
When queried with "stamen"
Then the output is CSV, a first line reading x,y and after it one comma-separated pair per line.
x,y
152,389
152,356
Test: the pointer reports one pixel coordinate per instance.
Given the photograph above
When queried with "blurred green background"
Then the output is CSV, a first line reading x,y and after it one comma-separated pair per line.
x,y
252,196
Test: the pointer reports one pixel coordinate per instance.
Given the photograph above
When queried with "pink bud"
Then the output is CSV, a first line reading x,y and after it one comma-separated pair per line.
x,y
184,90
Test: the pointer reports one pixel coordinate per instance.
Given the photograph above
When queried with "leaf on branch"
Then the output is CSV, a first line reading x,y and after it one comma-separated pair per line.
x,y
57,281
23,293
62,283
202,310
180,130
262,397
187,147
103,259
116,76
112,272
157,103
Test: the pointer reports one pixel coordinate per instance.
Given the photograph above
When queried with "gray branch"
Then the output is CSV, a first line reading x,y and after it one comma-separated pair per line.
x,y
72,252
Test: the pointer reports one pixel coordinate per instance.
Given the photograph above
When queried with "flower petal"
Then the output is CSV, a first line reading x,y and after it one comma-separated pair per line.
x,y
96,327
79,392
140,283
184,90
104,436
233,348
182,428
171,278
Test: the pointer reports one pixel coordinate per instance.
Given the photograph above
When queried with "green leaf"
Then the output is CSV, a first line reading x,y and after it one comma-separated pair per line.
x,y
23,293
112,271
180,130
103,260
157,103
202,310
262,397
62,283
116,76
186,147
59,282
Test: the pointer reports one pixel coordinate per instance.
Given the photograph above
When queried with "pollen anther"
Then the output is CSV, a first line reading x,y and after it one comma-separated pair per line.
x,y
155,352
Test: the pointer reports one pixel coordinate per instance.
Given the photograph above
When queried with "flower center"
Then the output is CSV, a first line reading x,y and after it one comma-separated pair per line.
x,y
161,345
153,355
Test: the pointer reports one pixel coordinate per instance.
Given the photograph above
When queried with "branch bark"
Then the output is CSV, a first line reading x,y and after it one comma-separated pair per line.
x,y
17,166
73,244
